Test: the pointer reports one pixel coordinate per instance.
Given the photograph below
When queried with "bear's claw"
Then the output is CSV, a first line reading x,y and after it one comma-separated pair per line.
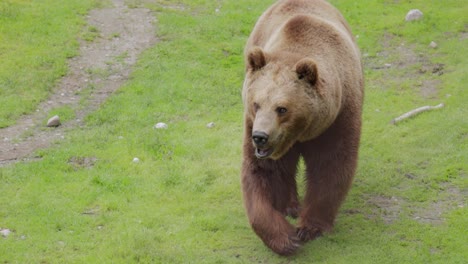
x,y
287,248
305,234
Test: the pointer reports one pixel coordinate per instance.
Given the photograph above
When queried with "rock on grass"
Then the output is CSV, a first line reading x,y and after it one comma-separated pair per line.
x,y
414,14
160,125
53,121
5,232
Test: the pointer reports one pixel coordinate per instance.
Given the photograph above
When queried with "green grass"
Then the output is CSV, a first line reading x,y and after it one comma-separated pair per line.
x,y
85,201
36,39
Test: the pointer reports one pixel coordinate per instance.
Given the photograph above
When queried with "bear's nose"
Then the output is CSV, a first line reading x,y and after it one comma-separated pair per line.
x,y
260,138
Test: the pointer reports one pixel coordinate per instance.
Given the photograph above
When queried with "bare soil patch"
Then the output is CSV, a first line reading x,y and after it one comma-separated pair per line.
x,y
410,65
389,209
101,68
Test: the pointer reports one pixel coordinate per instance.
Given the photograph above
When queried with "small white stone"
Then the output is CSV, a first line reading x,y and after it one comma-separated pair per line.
x,y
136,160
217,10
414,14
387,65
160,125
53,121
210,125
5,232
433,45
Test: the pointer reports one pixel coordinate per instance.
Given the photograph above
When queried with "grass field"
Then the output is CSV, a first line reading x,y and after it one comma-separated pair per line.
x,y
36,38
85,201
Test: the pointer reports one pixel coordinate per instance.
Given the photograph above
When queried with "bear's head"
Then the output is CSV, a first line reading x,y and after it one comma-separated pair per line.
x,y
284,101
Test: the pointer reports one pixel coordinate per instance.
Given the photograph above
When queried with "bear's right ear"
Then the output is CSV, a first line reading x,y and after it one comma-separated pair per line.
x,y
307,69
256,59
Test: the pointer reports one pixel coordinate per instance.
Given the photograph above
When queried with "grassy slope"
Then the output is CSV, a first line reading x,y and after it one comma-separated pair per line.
x,y
85,201
36,38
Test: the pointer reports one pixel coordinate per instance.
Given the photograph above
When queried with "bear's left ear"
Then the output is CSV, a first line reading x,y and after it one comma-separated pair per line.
x,y
256,59
307,69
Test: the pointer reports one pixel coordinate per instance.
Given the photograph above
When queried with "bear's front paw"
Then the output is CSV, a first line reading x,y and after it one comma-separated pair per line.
x,y
308,233
286,245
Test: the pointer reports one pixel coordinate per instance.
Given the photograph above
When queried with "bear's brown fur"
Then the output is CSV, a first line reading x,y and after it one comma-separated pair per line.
x,y
303,94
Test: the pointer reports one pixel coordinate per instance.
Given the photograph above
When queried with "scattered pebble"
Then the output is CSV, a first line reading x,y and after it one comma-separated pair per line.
x,y
210,125
433,45
53,121
387,65
414,14
136,160
5,232
160,126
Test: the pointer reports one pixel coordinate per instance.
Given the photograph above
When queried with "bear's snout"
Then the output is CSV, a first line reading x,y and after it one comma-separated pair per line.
x,y
260,138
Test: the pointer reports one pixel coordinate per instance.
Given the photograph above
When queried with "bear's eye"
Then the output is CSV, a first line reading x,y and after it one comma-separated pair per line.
x,y
256,107
281,110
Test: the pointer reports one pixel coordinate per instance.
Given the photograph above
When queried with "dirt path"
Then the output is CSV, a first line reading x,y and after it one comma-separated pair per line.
x,y
101,67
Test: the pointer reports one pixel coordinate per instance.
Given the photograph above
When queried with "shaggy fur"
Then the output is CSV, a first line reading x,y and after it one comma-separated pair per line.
x,y
303,94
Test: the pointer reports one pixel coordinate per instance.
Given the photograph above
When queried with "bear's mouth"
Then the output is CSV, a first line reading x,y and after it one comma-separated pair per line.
x,y
263,153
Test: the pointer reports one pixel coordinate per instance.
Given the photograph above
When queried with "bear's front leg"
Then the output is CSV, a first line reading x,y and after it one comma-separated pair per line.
x,y
267,222
331,161
269,190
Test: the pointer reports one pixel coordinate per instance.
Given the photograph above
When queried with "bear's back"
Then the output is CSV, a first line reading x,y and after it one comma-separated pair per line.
x,y
277,16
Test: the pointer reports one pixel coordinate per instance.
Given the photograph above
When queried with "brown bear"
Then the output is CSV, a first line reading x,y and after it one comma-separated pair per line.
x,y
303,95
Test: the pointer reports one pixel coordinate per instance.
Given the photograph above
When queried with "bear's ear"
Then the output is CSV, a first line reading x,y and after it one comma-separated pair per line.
x,y
307,70
256,59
